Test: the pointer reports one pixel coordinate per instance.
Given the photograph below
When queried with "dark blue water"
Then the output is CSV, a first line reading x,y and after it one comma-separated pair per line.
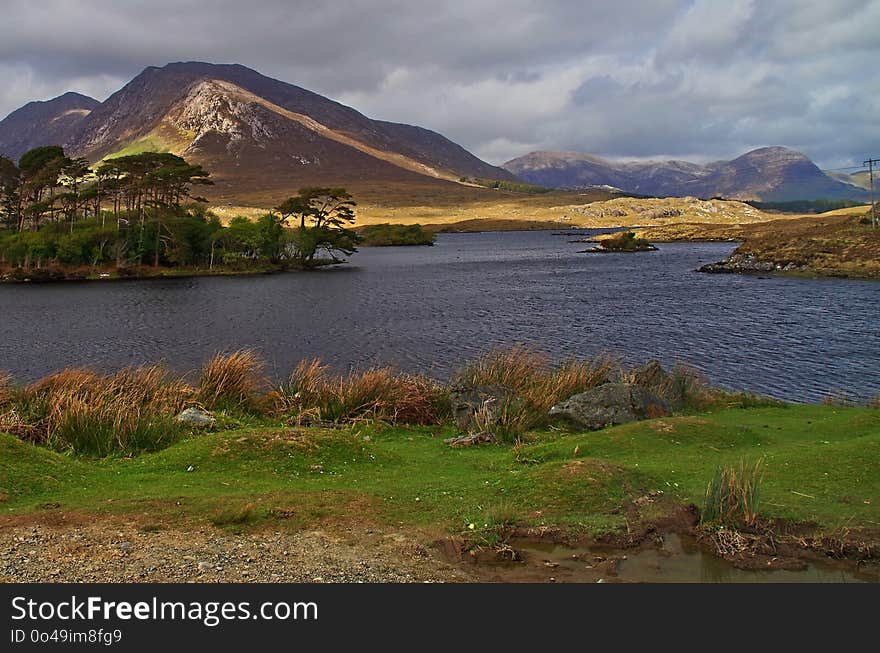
x,y
427,309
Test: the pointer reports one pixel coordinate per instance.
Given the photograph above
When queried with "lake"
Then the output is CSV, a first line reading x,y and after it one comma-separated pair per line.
x,y
429,308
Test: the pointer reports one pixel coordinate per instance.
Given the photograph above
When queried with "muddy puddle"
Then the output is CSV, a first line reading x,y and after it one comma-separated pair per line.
x,y
678,560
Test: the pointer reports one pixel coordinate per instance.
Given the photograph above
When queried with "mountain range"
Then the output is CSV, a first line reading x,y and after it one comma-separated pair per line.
x,y
769,173
248,130
262,138
43,123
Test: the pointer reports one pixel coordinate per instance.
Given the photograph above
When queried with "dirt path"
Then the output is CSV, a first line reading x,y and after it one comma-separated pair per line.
x,y
125,553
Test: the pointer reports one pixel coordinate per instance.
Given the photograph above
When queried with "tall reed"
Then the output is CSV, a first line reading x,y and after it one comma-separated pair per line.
x,y
733,494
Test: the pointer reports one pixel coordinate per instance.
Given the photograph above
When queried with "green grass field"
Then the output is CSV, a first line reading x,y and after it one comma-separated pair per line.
x,y
821,464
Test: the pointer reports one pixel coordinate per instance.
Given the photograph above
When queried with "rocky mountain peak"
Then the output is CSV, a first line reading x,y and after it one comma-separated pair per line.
x,y
251,130
769,173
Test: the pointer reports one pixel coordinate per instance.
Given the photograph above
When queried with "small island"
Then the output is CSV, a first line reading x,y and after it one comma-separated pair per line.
x,y
624,241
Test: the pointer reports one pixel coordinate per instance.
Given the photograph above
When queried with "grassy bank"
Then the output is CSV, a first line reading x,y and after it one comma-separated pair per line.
x,y
387,235
822,465
839,244
370,448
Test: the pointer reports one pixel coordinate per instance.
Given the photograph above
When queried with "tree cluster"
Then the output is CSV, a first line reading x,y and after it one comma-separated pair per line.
x,y
140,209
323,215
48,186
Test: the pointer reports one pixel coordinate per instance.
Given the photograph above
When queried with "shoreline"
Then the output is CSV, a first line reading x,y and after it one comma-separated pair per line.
x,y
81,548
758,268
56,275
840,246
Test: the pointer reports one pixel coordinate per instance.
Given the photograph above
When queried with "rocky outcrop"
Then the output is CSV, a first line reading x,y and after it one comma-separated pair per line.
x,y
749,263
603,249
610,404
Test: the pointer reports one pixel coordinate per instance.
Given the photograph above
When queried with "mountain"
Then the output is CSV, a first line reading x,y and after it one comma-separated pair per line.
x,y
860,179
257,134
768,173
51,122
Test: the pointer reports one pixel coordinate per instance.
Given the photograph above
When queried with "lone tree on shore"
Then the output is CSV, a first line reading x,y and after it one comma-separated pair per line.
x,y
323,214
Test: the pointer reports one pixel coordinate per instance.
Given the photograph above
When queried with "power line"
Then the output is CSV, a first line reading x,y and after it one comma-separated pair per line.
x,y
870,163
844,168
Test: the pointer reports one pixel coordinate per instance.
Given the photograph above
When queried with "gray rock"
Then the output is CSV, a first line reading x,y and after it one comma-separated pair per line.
x,y
610,404
653,378
465,402
195,417
749,263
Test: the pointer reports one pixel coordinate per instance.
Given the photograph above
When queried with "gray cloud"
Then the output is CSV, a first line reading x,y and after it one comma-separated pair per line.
x,y
690,79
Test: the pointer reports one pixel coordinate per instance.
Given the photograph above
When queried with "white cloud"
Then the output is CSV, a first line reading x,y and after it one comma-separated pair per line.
x,y
627,78
709,28
22,84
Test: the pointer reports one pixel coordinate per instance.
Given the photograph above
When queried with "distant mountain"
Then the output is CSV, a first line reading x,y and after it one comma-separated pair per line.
x,y
254,133
860,179
768,173
51,122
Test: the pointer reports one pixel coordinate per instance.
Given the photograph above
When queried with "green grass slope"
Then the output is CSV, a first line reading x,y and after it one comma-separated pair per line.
x,y
822,465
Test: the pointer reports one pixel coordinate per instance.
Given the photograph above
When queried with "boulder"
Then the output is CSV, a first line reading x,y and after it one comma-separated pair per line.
x,y
653,378
195,417
466,401
610,404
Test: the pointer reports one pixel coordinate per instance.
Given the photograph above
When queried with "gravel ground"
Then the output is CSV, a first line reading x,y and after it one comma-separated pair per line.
x,y
102,553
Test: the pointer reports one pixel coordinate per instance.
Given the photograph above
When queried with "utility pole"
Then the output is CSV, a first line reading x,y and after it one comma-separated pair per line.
x,y
870,163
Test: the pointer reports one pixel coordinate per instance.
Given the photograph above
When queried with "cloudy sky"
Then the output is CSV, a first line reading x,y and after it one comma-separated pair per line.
x,y
693,79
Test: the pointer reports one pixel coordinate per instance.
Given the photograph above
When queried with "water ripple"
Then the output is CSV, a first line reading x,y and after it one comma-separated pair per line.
x,y
426,309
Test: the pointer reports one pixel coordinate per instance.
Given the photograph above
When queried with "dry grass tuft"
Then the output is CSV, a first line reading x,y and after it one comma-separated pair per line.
x,y
691,385
530,375
417,400
508,422
312,393
234,515
150,386
233,380
67,382
515,367
95,414
572,377
7,389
